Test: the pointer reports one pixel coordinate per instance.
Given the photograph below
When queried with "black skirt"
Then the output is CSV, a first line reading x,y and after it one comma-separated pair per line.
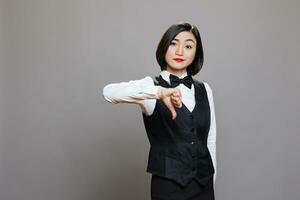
x,y
166,189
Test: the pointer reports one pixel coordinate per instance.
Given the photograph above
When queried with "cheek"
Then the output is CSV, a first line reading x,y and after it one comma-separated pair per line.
x,y
169,54
191,55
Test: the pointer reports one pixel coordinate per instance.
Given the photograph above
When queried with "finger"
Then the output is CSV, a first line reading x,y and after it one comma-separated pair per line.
x,y
180,105
177,105
175,99
172,91
176,94
176,102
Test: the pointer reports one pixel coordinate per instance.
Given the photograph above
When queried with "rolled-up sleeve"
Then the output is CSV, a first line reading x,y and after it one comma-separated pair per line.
x,y
142,92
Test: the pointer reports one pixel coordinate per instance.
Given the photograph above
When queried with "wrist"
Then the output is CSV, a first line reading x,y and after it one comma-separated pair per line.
x,y
159,92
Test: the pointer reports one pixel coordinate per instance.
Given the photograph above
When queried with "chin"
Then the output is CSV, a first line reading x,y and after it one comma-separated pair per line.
x,y
178,67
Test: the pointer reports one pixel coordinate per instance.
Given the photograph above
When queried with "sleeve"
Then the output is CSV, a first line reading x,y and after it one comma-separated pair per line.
x,y
142,92
212,134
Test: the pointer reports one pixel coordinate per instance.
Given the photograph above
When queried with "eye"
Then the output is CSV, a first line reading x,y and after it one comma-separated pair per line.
x,y
173,43
189,46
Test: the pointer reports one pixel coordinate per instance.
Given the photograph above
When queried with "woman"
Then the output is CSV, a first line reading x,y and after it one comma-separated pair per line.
x,y
179,118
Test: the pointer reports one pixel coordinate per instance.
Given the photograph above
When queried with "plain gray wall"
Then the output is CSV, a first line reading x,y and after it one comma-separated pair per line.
x,y
61,141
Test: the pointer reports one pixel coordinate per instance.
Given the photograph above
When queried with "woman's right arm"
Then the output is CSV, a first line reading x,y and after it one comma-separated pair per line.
x,y
144,93
133,91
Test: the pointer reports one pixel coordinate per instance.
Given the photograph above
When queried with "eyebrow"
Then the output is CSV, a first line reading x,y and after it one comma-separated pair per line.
x,y
186,40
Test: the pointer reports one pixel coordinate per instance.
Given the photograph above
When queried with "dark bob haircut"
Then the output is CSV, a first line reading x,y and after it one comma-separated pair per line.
x,y
167,38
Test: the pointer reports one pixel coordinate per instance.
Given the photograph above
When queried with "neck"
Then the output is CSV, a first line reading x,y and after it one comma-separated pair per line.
x,y
176,72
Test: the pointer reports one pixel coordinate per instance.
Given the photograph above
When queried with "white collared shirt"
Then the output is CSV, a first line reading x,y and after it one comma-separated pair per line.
x,y
188,94
144,93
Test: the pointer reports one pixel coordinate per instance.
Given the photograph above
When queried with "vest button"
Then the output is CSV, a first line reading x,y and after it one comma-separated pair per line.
x,y
192,142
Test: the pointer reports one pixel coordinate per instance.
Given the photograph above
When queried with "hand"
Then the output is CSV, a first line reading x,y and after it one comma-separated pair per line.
x,y
171,98
176,98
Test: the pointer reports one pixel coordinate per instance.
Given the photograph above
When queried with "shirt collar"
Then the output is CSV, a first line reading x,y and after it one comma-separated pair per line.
x,y
166,75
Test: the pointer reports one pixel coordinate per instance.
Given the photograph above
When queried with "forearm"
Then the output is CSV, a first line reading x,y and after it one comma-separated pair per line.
x,y
133,91
212,135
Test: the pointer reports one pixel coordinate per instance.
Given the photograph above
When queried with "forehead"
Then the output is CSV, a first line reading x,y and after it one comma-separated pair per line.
x,y
185,36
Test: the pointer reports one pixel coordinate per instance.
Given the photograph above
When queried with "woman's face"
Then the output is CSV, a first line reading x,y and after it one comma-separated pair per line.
x,y
181,52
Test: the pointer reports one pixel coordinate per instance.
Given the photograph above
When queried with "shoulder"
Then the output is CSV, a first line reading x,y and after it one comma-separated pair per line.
x,y
206,84
197,82
208,91
207,87
148,78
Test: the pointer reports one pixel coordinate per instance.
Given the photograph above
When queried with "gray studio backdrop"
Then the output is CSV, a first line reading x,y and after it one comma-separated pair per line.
x,y
61,141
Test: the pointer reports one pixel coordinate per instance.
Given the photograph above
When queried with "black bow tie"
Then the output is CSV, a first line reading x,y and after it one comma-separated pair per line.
x,y
187,81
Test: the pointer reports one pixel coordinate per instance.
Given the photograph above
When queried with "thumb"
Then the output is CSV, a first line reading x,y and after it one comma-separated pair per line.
x,y
172,109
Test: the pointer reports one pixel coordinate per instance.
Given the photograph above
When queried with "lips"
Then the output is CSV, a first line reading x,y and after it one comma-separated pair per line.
x,y
179,59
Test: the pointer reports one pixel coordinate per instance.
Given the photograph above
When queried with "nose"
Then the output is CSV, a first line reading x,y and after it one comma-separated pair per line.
x,y
179,50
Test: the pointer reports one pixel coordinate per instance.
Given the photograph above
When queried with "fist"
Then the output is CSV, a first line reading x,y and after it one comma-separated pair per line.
x,y
176,98
171,98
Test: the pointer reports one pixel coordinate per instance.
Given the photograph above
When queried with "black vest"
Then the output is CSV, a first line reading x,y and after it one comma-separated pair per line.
x,y
178,148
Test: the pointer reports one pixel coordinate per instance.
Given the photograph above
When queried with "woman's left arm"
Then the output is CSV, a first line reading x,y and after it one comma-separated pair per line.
x,y
212,134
